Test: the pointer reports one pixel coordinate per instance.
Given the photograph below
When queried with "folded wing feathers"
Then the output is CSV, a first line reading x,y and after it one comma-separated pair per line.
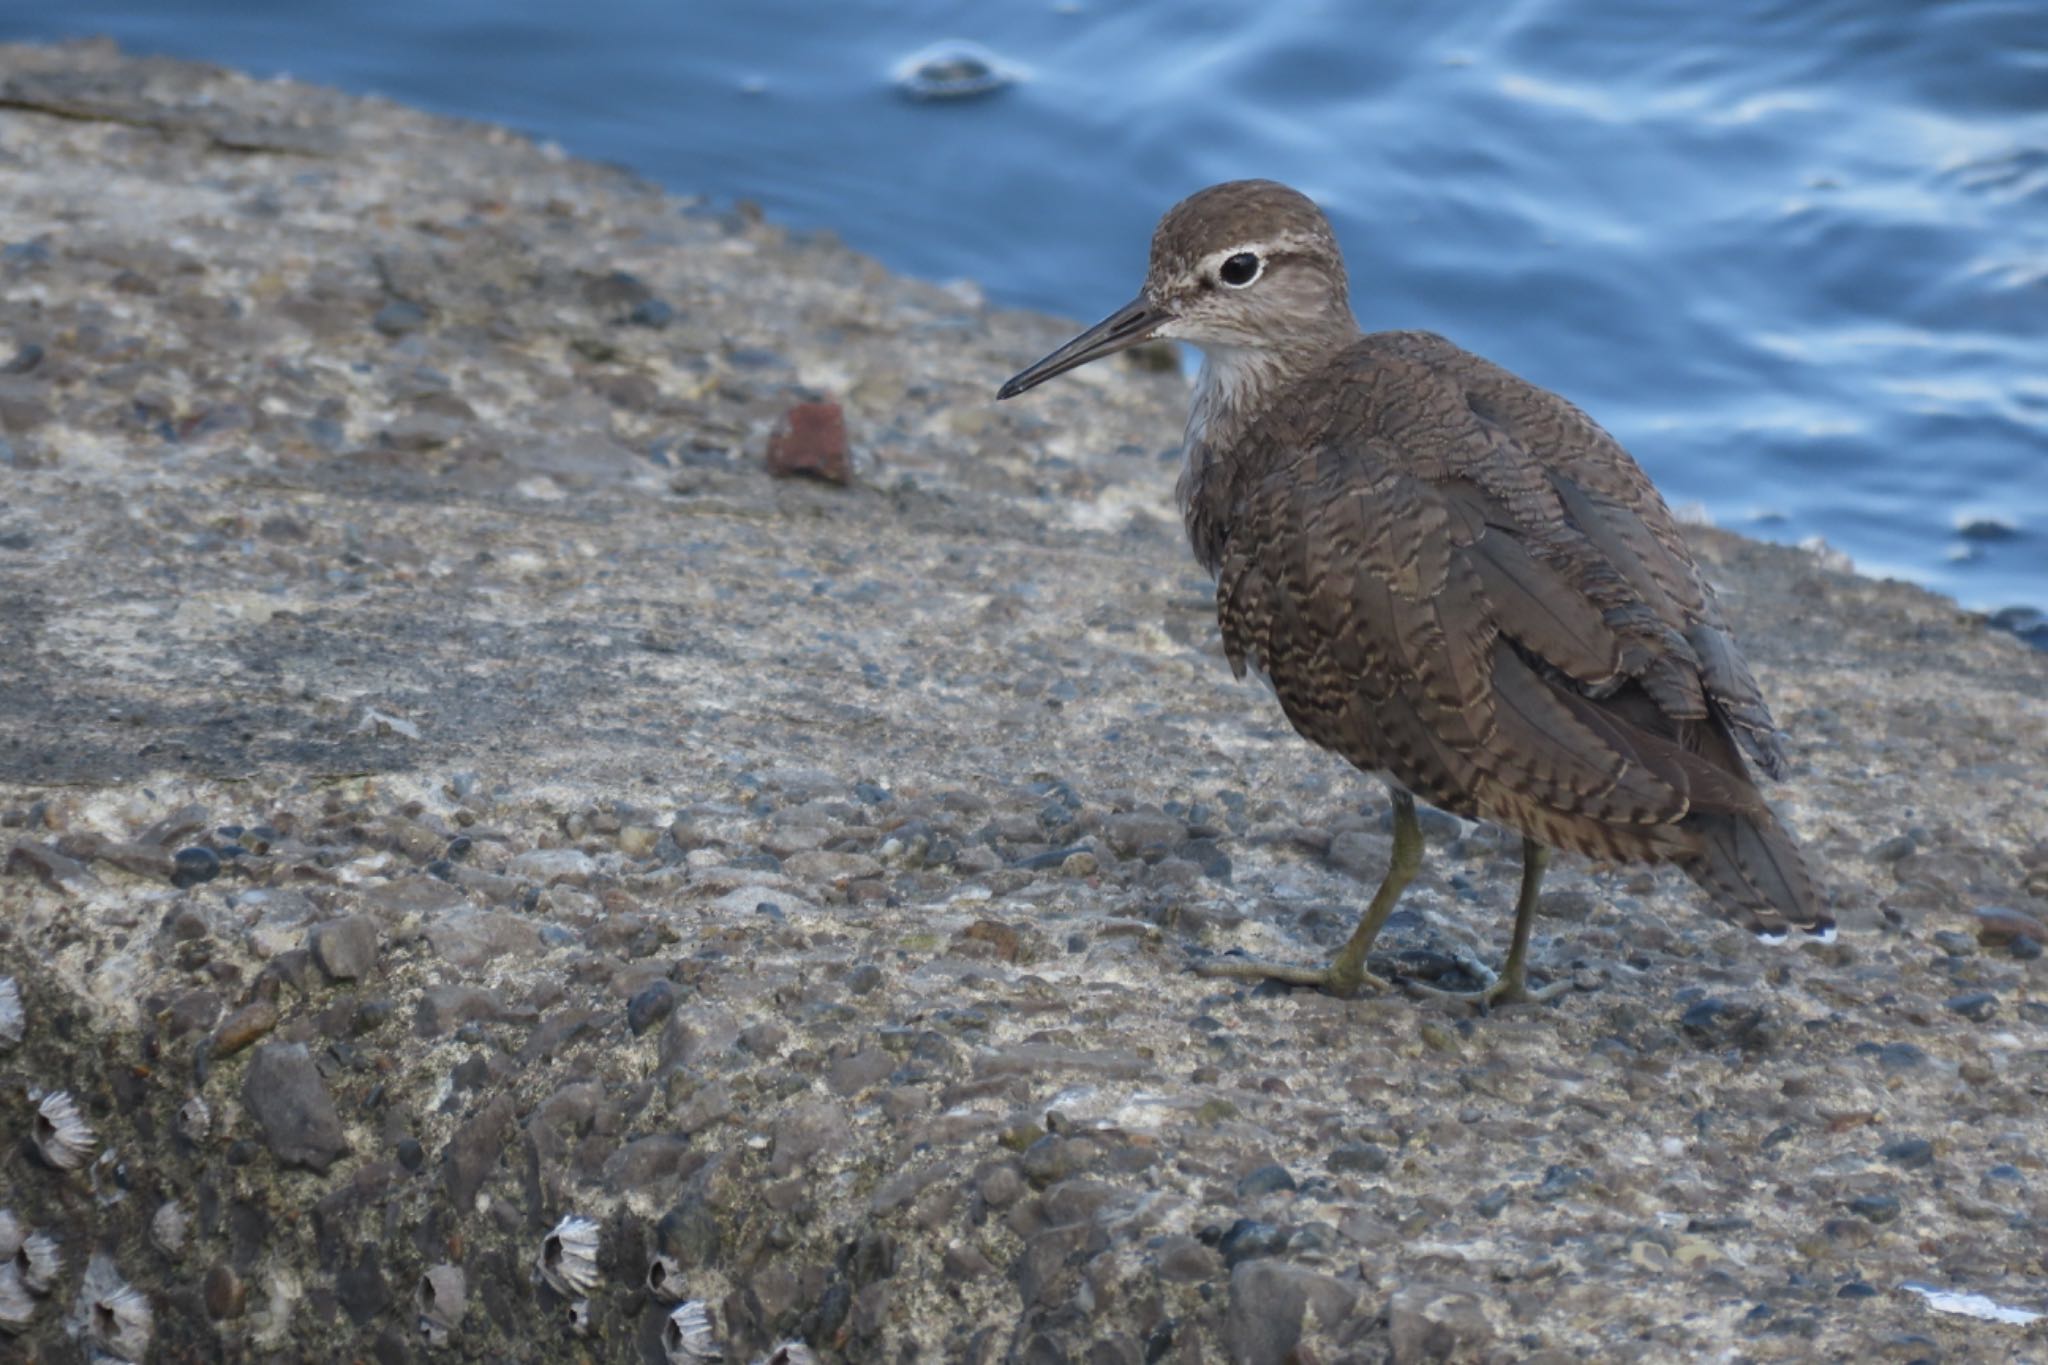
x,y
1497,602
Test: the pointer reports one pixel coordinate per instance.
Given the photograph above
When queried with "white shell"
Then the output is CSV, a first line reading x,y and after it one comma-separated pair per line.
x,y
167,1228
16,1307
13,1019
443,1300
195,1120
665,1278
108,1191
61,1133
790,1353
689,1336
568,1256
40,1259
579,1317
11,1233
113,1313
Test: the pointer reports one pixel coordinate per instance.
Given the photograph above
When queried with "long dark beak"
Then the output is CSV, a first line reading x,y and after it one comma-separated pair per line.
x,y
1126,327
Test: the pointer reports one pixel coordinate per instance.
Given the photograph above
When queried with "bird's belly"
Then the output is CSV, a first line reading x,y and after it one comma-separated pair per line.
x,y
1254,669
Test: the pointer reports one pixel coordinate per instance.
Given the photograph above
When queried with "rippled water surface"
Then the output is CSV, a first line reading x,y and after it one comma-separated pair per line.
x,y
1795,255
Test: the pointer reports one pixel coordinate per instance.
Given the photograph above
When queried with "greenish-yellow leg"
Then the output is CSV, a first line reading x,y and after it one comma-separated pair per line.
x,y
1346,971
1511,986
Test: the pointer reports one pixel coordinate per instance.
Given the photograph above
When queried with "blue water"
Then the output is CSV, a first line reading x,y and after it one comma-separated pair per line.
x,y
1794,254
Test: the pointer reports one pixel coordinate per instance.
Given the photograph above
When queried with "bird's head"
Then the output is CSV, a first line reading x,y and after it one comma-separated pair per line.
x,y
1245,265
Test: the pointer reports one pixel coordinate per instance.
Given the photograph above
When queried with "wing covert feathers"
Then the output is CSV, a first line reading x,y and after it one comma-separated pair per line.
x,y
1456,578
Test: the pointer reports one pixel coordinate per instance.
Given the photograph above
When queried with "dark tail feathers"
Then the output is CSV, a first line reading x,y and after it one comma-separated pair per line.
x,y
1750,865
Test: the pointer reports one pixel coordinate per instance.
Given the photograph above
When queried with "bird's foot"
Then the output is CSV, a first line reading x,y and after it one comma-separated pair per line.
x,y
1332,979
1506,989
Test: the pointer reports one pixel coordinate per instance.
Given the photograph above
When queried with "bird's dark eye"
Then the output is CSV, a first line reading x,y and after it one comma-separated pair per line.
x,y
1240,270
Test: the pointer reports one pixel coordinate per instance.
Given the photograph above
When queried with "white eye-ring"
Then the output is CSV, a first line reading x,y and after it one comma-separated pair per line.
x,y
1241,270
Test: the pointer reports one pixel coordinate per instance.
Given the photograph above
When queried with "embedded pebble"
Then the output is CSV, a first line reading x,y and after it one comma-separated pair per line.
x,y
345,949
225,1292
192,866
1265,1180
1248,1238
551,865
1976,1006
1427,1322
245,1026
805,1130
1363,1158
1910,1153
650,1006
399,317
284,1092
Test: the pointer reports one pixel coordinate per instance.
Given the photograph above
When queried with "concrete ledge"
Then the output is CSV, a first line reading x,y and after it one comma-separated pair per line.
x,y
447,786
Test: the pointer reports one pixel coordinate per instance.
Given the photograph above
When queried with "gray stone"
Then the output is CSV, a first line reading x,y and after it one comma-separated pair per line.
x,y
1976,1006
473,1150
1183,1260
1267,1179
550,865
851,1075
650,1006
284,1092
1143,834
1360,1158
1434,1322
805,1130
1272,1302
345,949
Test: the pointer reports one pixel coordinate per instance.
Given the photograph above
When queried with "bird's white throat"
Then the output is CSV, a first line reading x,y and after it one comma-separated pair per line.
x,y
1231,382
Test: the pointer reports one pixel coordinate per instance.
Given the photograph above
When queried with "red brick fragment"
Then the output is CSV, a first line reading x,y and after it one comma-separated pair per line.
x,y
810,440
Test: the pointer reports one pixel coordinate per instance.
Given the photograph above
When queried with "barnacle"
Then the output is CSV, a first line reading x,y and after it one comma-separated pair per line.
x,y
13,1018
168,1226
62,1135
689,1337
17,1306
665,1277
443,1299
115,1315
39,1258
195,1119
568,1256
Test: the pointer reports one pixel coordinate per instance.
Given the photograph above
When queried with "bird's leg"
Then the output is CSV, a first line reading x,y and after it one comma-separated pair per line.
x,y
1511,986
1346,971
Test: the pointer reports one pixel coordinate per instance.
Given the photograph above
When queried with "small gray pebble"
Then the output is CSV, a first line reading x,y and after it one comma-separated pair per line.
x,y
1366,1158
650,1006
1268,1179
284,1092
1911,1153
399,317
345,949
1976,1006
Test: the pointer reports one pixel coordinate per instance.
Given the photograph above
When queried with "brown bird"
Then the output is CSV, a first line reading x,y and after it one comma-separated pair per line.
x,y
1451,577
